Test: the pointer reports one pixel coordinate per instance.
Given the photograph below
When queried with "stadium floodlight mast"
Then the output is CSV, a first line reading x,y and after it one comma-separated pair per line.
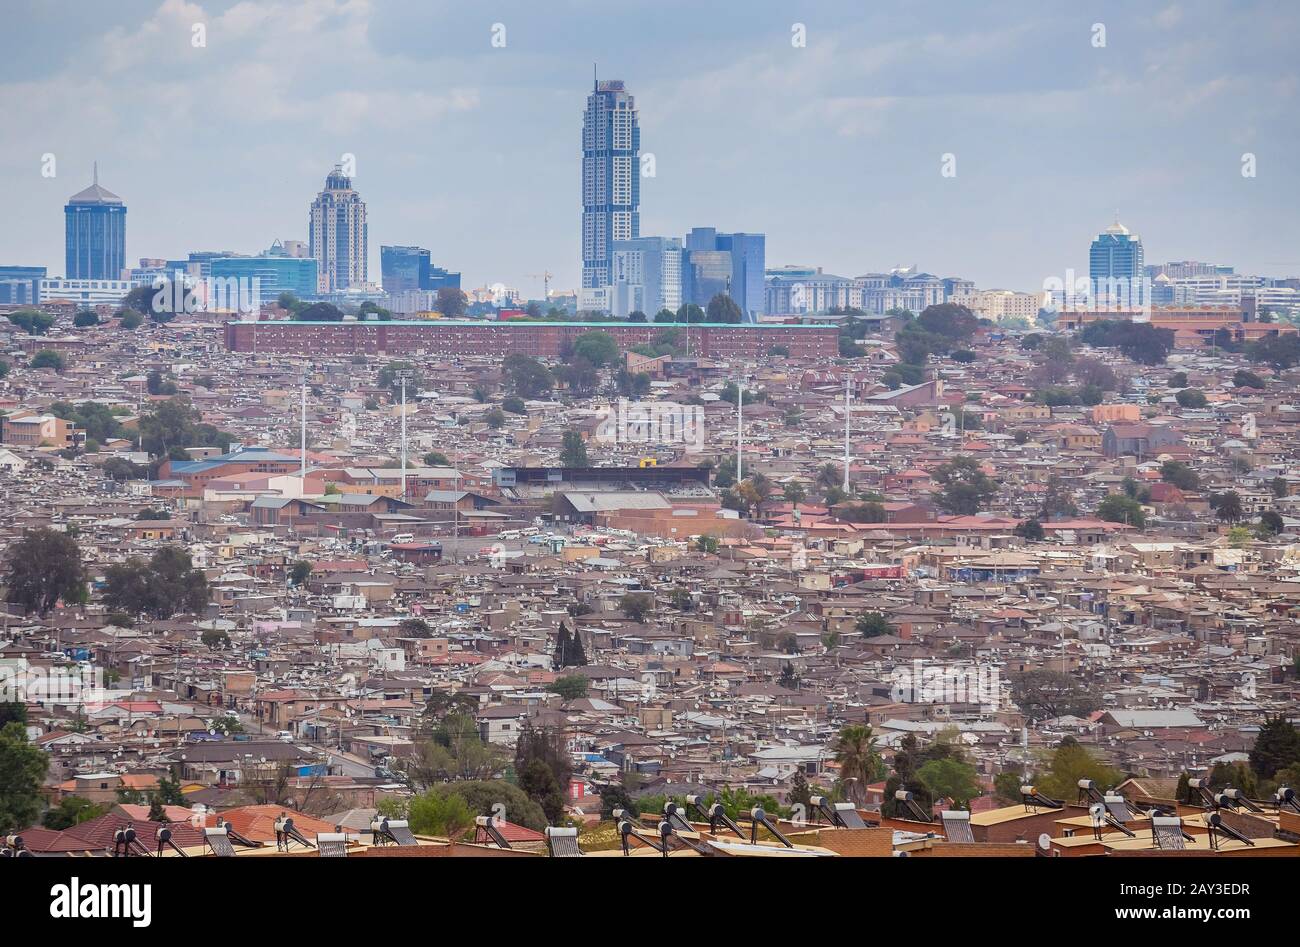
x,y
404,375
740,423
847,383
303,434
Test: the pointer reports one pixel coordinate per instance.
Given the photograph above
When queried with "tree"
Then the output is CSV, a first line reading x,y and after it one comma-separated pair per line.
x,y
1046,695
636,606
166,584
32,321
22,773
615,796
496,419
1270,523
320,312
85,318
72,810
175,424
689,312
1181,475
43,567
526,376
47,358
1117,508
569,687
707,544
448,816
129,319
451,302
543,765
1277,746
1056,500
954,779
573,450
1068,764
215,640
597,347
1227,506
1244,379
873,625
722,308
1030,529
299,572
794,493
855,752
788,679
966,489
1191,398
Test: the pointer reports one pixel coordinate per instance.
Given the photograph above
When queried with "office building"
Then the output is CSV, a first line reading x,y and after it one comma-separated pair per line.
x,y
270,273
611,181
645,276
727,263
21,285
1116,254
339,237
408,268
95,234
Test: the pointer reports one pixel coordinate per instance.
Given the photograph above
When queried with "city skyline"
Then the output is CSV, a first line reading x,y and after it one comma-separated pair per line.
x,y
833,150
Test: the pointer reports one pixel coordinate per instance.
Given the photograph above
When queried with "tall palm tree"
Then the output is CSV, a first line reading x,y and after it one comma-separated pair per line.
x,y
855,751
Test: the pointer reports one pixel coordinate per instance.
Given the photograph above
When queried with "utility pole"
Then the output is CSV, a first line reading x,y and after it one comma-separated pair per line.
x,y
303,469
847,383
403,376
740,427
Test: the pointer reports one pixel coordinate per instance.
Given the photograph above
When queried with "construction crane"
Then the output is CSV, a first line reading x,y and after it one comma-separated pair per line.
x,y
545,277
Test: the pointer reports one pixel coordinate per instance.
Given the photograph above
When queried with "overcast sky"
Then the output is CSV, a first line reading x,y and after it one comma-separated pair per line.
x,y
834,149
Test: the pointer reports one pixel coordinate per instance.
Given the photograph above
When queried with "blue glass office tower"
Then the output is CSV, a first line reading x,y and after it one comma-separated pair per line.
x,y
275,271
95,230
21,285
611,178
731,263
1116,254
408,268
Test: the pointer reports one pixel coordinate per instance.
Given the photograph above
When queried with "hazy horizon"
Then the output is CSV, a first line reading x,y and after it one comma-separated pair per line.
x,y
833,150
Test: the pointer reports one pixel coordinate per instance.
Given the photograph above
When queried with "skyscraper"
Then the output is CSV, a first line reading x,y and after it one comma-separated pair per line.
x,y
611,181
645,276
1116,254
409,268
95,230
338,231
729,263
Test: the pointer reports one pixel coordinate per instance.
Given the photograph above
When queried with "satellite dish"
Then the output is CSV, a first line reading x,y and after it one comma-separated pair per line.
x,y
1098,813
1044,841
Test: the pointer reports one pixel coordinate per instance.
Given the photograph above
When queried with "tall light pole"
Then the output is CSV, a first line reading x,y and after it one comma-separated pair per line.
x,y
740,417
403,376
303,435
847,383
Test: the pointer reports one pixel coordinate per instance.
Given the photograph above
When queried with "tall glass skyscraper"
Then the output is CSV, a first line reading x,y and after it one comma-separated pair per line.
x,y
95,231
1116,254
339,237
611,179
408,268
729,263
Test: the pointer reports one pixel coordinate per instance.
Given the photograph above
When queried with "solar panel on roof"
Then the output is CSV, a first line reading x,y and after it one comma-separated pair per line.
x,y
1117,806
401,833
956,825
848,816
219,842
677,822
332,844
562,843
1168,833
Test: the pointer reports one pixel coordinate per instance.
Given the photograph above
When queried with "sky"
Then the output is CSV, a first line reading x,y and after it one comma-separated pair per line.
x,y
1056,115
